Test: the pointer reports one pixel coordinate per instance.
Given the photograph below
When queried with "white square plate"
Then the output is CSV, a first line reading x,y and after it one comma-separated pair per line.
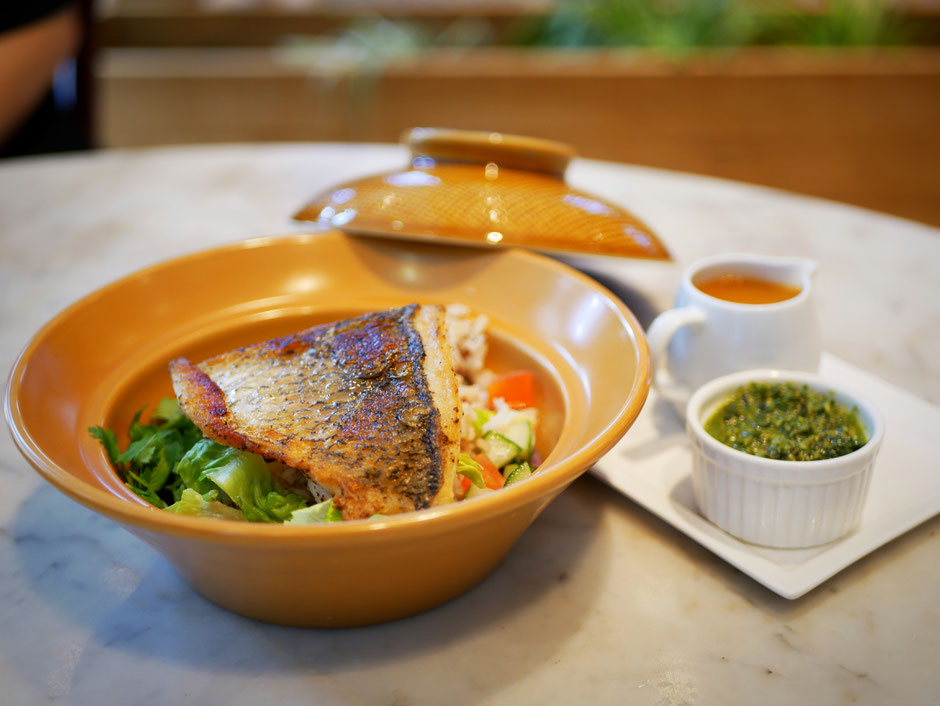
x,y
652,465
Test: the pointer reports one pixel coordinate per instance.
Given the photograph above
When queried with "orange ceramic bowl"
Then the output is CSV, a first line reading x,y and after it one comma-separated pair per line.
x,y
106,356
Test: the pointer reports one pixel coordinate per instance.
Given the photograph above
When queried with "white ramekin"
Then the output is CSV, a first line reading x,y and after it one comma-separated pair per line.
x,y
783,504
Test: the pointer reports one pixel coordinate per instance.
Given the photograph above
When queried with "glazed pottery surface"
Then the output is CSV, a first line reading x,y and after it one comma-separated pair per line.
x,y
106,356
487,190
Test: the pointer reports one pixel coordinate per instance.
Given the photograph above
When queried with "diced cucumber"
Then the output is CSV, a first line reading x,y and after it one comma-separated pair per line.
x,y
499,449
520,433
518,472
475,492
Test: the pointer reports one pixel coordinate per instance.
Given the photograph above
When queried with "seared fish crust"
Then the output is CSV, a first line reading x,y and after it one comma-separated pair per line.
x,y
365,407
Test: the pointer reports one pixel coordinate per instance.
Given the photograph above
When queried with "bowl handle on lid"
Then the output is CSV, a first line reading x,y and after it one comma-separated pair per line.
x,y
478,147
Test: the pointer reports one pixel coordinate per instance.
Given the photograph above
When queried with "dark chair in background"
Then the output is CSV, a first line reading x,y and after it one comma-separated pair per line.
x,y
63,118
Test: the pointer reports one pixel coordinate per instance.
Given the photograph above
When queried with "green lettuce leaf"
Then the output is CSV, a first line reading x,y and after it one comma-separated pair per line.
x,y
146,466
242,476
109,441
190,468
316,514
192,503
481,417
466,466
171,465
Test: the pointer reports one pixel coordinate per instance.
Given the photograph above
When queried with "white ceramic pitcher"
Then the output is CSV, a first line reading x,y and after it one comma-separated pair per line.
x,y
704,337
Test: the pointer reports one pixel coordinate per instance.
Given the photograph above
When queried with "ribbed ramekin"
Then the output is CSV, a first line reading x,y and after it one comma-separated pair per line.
x,y
782,504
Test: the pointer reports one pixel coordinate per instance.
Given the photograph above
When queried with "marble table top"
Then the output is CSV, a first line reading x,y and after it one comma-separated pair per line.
x,y
618,607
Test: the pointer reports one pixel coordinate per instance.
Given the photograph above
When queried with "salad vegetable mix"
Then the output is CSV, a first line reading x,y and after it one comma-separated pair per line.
x,y
170,464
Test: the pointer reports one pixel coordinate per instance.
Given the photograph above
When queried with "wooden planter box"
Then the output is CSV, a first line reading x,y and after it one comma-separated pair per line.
x,y
857,126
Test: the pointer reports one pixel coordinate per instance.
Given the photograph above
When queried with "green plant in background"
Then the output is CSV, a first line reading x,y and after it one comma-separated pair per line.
x,y
354,60
675,25
370,43
844,23
682,25
363,50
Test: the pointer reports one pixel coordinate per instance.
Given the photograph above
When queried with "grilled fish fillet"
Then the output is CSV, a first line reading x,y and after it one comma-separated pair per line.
x,y
366,407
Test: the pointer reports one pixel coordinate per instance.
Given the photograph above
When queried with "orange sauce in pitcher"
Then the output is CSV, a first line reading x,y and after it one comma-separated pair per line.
x,y
746,290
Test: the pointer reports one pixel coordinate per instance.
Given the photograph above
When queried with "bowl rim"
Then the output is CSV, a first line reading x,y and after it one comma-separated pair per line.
x,y
706,395
443,518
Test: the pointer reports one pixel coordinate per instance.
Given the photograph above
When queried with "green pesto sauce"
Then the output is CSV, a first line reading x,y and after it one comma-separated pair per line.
x,y
786,421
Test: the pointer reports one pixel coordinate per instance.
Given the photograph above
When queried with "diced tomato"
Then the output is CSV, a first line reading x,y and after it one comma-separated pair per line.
x,y
491,476
517,388
463,487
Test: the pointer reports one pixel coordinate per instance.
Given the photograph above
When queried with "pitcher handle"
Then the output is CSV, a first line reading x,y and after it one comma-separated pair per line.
x,y
658,336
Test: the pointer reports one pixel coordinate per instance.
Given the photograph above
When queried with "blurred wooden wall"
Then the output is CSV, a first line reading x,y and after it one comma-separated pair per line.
x,y
863,130
856,126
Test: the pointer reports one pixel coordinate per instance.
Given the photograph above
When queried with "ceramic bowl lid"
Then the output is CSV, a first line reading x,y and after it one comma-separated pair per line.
x,y
484,189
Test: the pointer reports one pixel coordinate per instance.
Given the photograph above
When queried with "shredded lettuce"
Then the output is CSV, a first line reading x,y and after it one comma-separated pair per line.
x,y
480,418
147,464
466,466
316,514
169,456
243,477
192,503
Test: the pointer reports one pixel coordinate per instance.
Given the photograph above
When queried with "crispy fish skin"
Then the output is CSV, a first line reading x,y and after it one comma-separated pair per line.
x,y
366,407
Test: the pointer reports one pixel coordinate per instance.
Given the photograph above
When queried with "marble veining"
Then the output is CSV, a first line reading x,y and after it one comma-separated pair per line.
x,y
600,602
